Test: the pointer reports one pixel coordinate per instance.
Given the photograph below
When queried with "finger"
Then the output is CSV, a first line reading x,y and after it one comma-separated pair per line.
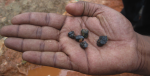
x,y
84,8
53,59
32,44
41,19
30,31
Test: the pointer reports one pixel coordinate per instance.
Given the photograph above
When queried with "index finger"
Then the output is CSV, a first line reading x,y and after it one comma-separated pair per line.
x,y
41,19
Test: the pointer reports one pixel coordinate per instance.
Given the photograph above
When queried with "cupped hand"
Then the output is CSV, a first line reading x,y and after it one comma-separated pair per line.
x,y
43,39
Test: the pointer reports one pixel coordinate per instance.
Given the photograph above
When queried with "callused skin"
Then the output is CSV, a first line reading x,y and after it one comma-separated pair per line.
x,y
126,51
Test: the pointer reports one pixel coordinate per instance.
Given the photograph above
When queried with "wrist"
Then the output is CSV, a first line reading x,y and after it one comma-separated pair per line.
x,y
143,51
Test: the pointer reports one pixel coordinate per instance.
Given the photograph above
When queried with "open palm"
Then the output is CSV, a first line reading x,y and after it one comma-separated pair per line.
x,y
44,39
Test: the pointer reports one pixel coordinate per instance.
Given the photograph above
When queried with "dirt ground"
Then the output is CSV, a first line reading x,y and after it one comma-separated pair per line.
x,y
11,62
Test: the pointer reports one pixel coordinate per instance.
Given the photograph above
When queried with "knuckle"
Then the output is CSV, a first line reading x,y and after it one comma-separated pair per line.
x,y
47,19
39,32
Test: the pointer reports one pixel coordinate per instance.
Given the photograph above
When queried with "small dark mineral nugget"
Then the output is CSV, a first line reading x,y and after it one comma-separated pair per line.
x,y
84,33
71,34
102,40
84,44
79,38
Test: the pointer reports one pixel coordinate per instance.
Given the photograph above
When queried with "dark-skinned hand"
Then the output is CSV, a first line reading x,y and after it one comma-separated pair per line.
x,y
43,39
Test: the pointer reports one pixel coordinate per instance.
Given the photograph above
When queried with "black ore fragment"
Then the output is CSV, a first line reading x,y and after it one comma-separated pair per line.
x,y
84,44
71,34
102,40
84,33
79,38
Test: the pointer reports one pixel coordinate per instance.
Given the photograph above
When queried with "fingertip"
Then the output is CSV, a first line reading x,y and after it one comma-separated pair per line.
x,y
4,30
20,19
69,6
9,31
6,42
1,31
31,56
13,43
74,9
13,20
25,55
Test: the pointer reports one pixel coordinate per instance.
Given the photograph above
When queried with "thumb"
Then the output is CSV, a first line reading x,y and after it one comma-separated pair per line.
x,y
83,8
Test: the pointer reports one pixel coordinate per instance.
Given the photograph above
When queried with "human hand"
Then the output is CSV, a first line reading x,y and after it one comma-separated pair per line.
x,y
43,39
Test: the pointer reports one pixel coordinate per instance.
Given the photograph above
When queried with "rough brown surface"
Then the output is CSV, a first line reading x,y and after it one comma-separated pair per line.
x,y
11,62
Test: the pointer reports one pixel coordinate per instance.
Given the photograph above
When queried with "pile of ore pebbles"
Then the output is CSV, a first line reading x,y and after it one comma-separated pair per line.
x,y
84,34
